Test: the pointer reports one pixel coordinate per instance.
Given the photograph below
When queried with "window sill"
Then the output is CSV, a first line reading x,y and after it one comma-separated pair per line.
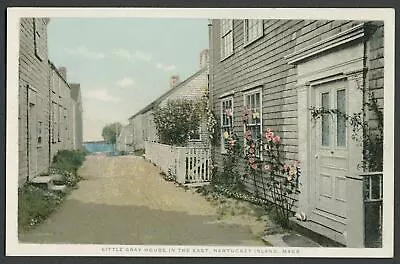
x,y
252,41
226,57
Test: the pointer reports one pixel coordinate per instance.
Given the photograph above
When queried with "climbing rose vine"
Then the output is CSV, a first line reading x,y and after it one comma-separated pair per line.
x,y
279,180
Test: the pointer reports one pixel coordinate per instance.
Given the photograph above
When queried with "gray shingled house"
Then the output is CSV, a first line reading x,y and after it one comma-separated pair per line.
x,y
279,69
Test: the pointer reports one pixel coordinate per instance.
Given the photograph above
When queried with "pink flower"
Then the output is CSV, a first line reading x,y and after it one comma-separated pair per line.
x,y
251,150
276,139
267,167
228,112
297,164
254,166
247,135
251,160
269,135
253,145
286,167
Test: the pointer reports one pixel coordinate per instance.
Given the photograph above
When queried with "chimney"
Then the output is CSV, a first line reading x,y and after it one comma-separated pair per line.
x,y
174,81
204,58
63,72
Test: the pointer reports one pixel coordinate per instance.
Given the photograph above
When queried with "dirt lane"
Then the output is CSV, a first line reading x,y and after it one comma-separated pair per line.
x,y
124,200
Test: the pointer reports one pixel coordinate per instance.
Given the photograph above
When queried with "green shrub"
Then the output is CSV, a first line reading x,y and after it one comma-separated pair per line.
x,y
35,204
68,160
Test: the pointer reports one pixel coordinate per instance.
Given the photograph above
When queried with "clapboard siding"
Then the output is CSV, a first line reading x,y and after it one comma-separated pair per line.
x,y
262,64
33,72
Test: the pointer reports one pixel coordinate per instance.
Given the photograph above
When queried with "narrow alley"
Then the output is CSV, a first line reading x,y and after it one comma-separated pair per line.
x,y
124,200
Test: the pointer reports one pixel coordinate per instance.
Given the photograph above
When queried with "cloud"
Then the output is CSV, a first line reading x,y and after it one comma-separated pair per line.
x,y
85,52
123,53
142,55
101,94
128,55
163,67
125,82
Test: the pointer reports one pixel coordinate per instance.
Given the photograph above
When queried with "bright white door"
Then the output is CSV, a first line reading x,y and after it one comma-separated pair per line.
x,y
330,148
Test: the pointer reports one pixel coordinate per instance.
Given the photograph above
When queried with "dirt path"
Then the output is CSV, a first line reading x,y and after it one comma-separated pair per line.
x,y
124,200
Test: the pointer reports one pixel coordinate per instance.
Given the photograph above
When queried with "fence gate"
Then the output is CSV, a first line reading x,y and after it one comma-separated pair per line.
x,y
197,165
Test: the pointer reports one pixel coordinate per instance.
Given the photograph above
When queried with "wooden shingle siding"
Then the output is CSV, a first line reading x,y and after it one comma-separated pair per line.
x,y
33,72
35,93
262,64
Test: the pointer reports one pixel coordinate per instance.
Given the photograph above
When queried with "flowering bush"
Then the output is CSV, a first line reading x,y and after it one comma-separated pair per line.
x,y
230,175
212,123
279,180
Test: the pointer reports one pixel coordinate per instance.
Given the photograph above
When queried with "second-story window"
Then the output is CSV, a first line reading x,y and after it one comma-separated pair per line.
x,y
226,38
253,29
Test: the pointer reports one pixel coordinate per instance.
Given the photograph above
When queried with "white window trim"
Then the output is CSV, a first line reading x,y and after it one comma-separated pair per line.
x,y
248,92
222,35
245,32
197,139
224,99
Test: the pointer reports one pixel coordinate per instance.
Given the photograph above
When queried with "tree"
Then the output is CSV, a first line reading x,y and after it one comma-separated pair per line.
x,y
111,132
177,120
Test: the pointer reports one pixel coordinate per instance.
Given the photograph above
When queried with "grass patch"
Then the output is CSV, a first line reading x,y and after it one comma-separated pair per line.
x,y
35,205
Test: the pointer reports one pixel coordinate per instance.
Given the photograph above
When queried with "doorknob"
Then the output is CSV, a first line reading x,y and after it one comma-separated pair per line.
x,y
316,156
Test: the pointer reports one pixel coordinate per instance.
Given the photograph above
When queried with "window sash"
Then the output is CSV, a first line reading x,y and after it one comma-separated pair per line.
x,y
226,37
253,29
226,123
253,103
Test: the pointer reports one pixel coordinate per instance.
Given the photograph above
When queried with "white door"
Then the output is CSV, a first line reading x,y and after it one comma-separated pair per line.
x,y
330,140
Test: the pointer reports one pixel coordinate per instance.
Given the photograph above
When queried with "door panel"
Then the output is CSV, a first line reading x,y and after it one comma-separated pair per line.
x,y
330,153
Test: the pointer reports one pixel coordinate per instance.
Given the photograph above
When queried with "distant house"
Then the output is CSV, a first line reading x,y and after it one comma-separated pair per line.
x,y
192,89
125,140
45,104
278,69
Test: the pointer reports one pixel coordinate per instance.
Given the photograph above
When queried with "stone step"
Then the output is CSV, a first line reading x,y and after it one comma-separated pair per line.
x,y
58,188
57,177
42,180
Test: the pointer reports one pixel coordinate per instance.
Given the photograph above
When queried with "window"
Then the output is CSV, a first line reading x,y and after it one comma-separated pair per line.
x,y
54,123
340,119
39,38
59,122
226,38
195,135
39,133
325,119
253,29
252,106
226,120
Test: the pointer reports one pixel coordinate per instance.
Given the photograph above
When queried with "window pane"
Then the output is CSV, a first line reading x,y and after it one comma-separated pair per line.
x,y
341,121
325,120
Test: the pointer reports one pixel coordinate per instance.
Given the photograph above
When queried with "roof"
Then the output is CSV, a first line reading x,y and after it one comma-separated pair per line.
x,y
159,99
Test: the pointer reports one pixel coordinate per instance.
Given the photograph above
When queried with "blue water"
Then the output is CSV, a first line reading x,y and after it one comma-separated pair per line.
x,y
98,147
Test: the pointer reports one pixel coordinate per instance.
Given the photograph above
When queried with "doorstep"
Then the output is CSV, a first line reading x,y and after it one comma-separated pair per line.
x,y
290,240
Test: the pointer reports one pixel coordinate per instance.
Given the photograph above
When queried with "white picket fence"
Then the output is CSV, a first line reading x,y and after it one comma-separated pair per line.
x,y
189,164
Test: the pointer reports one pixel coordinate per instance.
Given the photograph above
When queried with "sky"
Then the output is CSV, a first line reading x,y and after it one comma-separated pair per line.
x,y
123,64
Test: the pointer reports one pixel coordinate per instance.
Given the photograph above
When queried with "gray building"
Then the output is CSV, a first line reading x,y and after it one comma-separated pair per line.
x,y
45,106
277,69
77,112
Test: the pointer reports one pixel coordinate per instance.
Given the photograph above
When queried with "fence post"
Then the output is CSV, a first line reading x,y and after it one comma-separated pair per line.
x,y
355,212
180,165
